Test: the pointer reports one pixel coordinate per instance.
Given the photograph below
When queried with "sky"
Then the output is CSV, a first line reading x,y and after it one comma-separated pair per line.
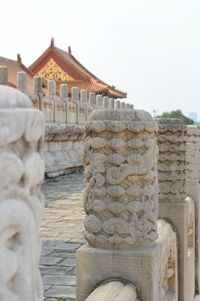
x,y
147,48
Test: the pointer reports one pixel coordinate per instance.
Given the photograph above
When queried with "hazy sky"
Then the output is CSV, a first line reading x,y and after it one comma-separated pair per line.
x,y
149,48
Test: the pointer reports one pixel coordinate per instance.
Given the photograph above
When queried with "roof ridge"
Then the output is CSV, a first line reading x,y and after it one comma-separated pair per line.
x,y
9,60
82,72
63,52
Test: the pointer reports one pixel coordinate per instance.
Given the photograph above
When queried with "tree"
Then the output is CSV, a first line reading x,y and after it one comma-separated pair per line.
x,y
177,114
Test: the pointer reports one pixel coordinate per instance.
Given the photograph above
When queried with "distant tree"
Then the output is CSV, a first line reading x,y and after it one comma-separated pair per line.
x,y
177,114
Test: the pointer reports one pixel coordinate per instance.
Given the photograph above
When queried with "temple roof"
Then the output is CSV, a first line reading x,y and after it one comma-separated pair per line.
x,y
62,66
13,68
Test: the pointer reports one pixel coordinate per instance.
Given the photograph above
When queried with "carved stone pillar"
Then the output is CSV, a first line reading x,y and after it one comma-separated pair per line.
x,y
172,177
120,198
193,187
121,205
21,202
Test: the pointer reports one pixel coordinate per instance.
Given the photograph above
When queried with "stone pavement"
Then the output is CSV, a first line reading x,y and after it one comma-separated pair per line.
x,y
61,234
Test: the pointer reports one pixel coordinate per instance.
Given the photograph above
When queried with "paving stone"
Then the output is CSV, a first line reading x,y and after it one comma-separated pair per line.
x,y
59,291
73,271
46,286
46,251
63,254
59,280
61,234
68,262
47,260
55,270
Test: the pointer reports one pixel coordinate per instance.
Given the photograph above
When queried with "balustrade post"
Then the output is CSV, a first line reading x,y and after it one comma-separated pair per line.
x,y
125,239
21,202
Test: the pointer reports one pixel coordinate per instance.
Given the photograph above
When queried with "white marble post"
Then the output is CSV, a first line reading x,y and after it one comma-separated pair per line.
x,y
92,98
111,103
84,96
99,102
64,91
80,106
3,75
51,105
21,202
91,103
37,99
65,100
84,102
106,102
22,81
123,106
117,104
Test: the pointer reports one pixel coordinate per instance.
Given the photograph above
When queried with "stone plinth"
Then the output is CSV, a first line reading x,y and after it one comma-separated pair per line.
x,y
153,270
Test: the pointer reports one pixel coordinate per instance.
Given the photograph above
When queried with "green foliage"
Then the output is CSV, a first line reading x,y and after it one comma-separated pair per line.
x,y
176,114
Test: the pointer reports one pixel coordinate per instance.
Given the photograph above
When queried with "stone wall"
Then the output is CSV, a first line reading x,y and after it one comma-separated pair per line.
x,y
63,148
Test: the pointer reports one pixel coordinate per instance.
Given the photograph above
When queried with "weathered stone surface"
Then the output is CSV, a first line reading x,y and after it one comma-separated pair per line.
x,y
153,269
114,291
21,202
174,175
120,201
63,148
120,197
61,292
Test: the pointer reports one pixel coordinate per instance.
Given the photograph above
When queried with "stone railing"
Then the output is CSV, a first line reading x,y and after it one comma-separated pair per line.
x,y
65,117
129,252
21,173
142,208
127,244
73,106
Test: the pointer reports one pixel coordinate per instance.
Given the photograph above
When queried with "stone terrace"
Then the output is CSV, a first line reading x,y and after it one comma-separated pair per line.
x,y
61,234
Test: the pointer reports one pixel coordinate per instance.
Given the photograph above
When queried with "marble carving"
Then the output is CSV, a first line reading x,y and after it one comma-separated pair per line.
x,y
21,202
120,198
